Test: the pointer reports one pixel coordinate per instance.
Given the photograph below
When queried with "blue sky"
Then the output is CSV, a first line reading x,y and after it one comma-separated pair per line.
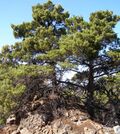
x,y
17,11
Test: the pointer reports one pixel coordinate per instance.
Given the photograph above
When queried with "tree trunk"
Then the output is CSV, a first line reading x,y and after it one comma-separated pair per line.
x,y
54,79
90,92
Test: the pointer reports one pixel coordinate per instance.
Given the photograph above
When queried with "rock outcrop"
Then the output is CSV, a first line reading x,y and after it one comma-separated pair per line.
x,y
71,122
49,115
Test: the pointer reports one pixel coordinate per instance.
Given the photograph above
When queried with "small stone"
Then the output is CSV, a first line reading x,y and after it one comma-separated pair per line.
x,y
88,131
11,120
15,132
116,129
25,131
66,114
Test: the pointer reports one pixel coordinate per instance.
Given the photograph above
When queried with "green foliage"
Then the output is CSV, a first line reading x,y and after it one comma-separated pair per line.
x,y
13,83
89,38
10,91
107,98
109,90
41,35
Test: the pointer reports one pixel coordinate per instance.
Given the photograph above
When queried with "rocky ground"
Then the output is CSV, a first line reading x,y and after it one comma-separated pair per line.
x,y
72,122
52,115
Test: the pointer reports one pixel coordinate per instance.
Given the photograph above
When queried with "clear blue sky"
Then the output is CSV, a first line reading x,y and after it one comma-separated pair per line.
x,y
17,11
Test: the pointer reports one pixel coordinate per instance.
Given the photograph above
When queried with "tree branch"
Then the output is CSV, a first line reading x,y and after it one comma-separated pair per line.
x,y
70,83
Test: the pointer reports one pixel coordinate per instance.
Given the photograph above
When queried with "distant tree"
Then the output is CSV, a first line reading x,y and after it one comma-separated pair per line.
x,y
94,46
